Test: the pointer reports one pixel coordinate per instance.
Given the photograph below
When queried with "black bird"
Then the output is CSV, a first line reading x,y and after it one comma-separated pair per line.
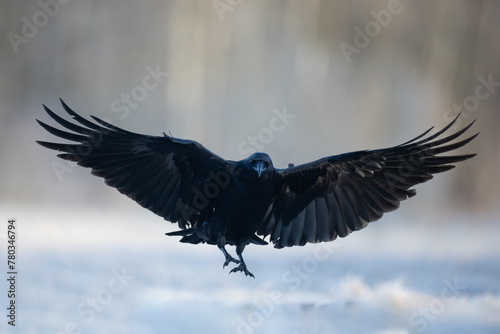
x,y
223,202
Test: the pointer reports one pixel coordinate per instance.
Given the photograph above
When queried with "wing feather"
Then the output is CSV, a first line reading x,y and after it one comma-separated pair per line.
x,y
159,173
310,228
322,218
337,195
298,233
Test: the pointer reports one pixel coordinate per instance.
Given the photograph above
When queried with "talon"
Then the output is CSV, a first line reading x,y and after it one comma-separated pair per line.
x,y
242,267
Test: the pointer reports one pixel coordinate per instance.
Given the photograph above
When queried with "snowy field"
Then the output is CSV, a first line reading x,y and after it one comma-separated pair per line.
x,y
85,271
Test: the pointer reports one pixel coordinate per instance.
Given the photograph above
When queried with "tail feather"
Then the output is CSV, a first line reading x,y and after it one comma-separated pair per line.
x,y
189,236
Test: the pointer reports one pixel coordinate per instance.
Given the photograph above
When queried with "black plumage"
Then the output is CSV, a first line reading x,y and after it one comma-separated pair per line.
x,y
222,202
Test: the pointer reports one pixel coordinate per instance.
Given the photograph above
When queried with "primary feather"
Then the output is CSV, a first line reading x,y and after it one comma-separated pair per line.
x,y
222,202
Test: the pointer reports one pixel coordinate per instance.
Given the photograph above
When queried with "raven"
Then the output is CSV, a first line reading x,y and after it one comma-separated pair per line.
x,y
223,202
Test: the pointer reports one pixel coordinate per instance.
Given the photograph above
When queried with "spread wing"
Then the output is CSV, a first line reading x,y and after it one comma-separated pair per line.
x,y
336,195
163,174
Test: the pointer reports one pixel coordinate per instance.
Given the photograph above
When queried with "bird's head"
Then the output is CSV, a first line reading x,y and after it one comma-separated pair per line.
x,y
260,163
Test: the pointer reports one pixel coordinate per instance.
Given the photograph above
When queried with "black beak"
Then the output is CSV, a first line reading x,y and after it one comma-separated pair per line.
x,y
259,167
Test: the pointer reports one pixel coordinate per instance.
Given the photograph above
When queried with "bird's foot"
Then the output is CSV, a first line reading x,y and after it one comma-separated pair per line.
x,y
230,259
242,267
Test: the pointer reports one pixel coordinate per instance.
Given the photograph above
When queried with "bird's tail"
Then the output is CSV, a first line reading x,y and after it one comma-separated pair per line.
x,y
254,239
189,235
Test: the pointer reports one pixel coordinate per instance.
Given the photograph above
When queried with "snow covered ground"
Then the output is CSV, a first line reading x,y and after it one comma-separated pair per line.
x,y
84,271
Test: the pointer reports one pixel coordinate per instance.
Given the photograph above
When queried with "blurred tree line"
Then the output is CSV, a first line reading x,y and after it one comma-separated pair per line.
x,y
356,74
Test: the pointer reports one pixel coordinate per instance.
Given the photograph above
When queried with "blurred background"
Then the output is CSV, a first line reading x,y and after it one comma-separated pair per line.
x,y
299,80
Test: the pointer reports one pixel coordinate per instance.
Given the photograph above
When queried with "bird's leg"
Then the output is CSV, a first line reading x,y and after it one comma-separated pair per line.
x,y
228,256
242,267
221,243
